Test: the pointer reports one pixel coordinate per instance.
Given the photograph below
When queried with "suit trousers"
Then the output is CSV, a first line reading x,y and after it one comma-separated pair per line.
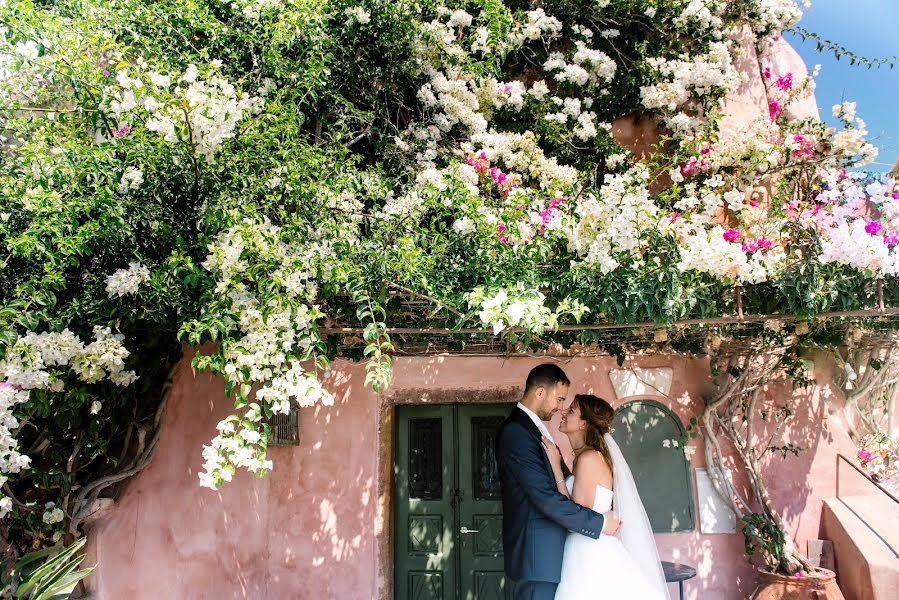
x,y
534,590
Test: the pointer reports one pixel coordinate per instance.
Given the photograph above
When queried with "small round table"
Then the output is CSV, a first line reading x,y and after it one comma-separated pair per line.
x,y
679,573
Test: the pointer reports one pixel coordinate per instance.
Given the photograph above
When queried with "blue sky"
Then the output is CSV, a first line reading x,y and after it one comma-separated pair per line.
x,y
869,28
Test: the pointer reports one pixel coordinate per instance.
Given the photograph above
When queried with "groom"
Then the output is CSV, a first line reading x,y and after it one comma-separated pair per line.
x,y
536,517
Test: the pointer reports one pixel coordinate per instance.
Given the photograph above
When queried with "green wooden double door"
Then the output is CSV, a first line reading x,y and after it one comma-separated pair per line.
x,y
448,513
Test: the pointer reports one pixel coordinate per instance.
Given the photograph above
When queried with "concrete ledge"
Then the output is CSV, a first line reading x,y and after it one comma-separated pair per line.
x,y
865,535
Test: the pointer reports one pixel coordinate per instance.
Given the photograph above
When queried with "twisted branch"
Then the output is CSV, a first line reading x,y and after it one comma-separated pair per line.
x,y
89,493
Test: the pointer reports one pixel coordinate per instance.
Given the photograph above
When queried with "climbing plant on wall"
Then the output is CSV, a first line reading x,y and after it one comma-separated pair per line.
x,y
260,173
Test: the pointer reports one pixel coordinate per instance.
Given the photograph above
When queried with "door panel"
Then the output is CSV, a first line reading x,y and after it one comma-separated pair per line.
x,y
448,542
425,473
480,504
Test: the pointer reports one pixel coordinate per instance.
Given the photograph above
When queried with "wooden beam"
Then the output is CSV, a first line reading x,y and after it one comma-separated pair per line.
x,y
729,320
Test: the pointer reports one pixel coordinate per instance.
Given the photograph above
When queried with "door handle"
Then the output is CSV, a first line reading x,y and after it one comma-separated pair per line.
x,y
467,530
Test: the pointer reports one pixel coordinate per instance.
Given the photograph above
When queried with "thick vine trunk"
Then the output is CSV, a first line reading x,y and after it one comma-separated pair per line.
x,y
85,501
717,423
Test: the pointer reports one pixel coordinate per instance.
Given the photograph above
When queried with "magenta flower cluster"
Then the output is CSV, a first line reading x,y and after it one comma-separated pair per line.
x,y
751,246
873,227
731,235
546,214
785,82
695,165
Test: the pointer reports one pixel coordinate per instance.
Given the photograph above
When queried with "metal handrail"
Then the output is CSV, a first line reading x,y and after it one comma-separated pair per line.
x,y
878,486
865,475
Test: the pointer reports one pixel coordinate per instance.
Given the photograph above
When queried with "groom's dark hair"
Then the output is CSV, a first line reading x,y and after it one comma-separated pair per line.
x,y
546,375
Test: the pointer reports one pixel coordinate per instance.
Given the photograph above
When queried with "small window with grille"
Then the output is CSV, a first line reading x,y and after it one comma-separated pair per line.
x,y
284,430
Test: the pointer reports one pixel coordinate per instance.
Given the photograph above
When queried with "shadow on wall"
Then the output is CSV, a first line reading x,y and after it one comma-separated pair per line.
x,y
306,530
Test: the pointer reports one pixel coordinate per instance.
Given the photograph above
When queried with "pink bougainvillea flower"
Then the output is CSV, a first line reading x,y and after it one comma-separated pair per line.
x,y
864,454
120,131
773,109
800,573
891,238
767,72
546,214
762,243
873,227
785,82
895,195
694,165
674,216
498,176
731,235
479,162
500,228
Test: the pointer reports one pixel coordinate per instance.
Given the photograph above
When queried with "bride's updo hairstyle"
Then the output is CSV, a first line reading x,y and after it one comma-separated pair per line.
x,y
599,415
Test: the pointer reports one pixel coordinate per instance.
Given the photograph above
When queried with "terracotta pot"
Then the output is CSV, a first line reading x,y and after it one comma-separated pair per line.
x,y
821,586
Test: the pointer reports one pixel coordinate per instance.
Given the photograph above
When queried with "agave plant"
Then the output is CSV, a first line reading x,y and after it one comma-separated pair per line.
x,y
47,574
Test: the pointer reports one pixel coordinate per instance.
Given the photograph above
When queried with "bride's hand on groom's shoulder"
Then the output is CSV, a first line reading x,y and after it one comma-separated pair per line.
x,y
612,523
555,457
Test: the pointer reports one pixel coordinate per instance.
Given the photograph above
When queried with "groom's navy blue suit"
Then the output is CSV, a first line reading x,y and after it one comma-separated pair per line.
x,y
536,517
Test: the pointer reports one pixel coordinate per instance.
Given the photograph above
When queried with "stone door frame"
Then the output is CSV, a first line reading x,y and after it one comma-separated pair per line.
x,y
384,541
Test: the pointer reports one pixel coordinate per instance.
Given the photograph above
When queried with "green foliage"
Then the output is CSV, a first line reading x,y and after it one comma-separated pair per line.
x,y
763,537
48,574
840,52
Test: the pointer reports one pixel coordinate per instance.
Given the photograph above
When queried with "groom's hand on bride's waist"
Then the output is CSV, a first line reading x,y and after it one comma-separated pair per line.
x,y
612,523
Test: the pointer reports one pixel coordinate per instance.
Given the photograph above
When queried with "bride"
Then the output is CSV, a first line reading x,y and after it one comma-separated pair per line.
x,y
626,566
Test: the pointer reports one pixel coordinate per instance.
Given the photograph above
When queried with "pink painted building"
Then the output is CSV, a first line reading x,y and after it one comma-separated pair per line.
x,y
320,525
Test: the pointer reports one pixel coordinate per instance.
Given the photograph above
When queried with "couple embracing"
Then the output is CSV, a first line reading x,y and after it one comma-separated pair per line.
x,y
561,537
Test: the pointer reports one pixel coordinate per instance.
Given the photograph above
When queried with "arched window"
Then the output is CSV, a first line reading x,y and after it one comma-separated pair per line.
x,y
661,472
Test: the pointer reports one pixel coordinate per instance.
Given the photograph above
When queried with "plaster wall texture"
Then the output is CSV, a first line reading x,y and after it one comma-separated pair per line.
x,y
304,531
865,534
310,528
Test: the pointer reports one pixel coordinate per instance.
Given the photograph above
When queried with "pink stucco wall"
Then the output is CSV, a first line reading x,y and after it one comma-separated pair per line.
x,y
305,531
308,529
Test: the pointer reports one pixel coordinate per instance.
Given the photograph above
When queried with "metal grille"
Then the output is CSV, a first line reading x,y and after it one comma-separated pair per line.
x,y
485,472
284,430
426,459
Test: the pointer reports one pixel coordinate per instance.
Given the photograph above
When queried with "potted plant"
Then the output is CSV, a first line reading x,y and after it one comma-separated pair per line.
x,y
733,416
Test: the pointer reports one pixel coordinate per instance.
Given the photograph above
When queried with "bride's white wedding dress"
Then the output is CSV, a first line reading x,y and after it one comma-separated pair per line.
x,y
606,568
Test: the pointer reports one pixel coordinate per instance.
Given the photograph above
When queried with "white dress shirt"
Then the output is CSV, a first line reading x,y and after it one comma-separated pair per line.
x,y
540,424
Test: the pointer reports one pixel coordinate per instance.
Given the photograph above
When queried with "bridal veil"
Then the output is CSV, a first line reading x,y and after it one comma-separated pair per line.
x,y
636,532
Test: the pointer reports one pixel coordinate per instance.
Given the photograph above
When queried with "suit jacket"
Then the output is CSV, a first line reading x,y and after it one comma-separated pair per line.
x,y
536,517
